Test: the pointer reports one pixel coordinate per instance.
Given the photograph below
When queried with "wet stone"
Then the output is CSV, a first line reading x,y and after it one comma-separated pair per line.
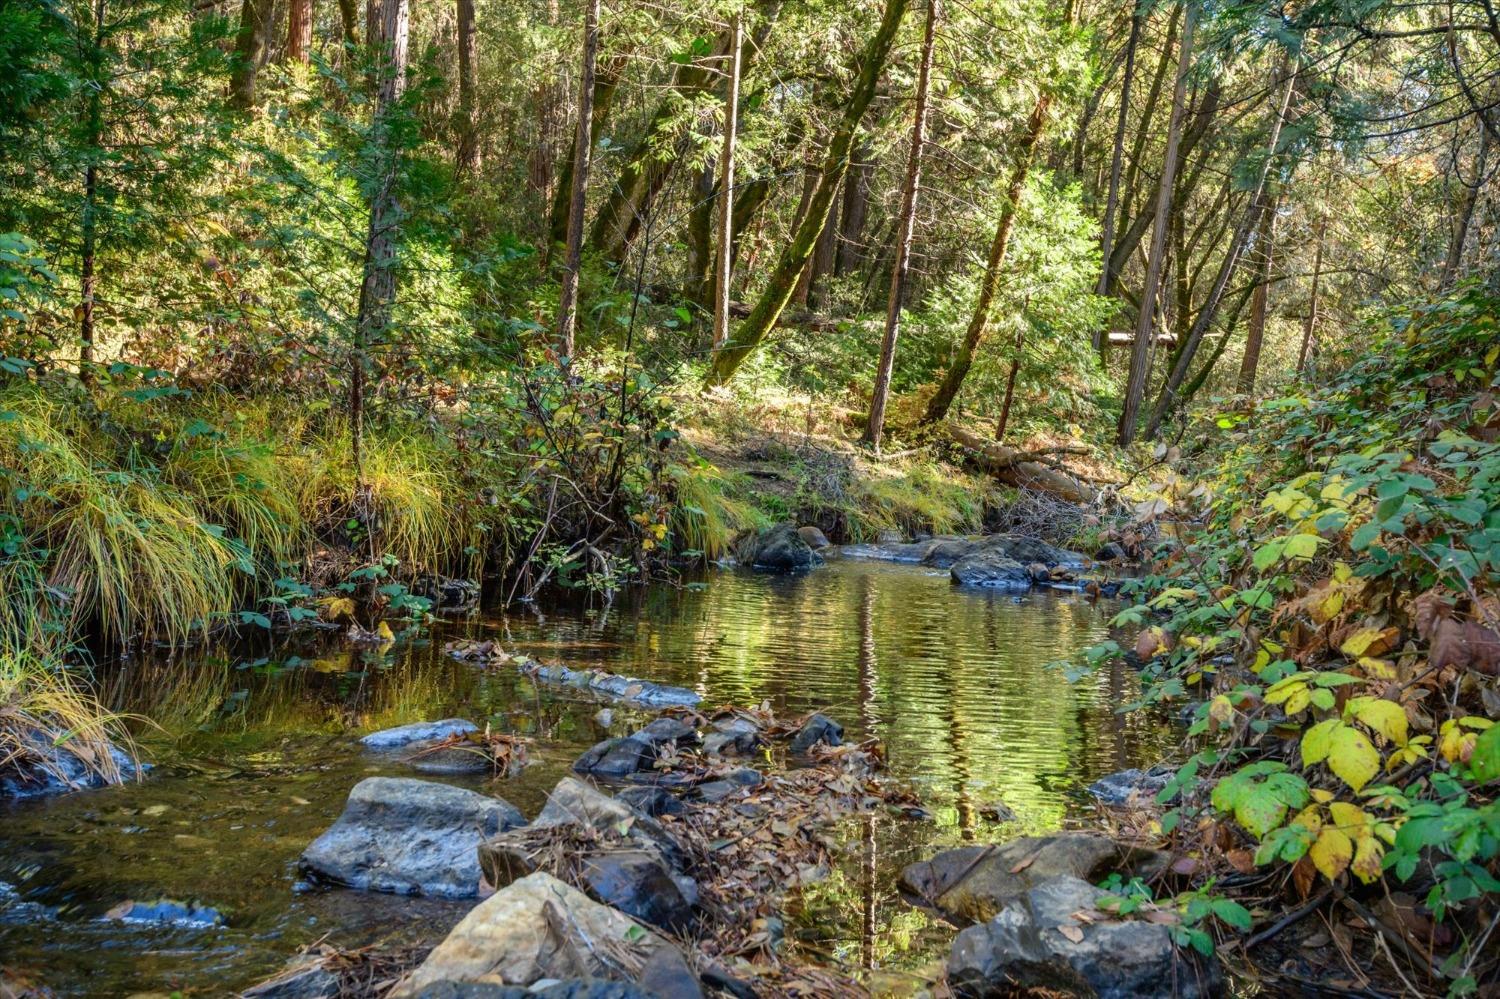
x,y
409,837
410,735
818,728
616,758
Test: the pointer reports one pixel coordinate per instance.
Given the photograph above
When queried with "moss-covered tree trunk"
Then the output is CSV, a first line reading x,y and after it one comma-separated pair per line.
x,y
783,279
249,51
979,323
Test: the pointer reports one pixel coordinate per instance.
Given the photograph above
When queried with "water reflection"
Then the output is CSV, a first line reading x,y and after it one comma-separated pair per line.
x,y
255,754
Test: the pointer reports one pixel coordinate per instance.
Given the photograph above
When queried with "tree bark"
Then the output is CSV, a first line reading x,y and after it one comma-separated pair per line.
x,y
299,24
1255,333
783,278
979,323
875,426
1116,165
377,291
349,18
1466,211
583,145
852,217
1189,346
726,189
1010,382
90,222
249,51
1310,323
468,126
1135,385
824,254
700,240
606,84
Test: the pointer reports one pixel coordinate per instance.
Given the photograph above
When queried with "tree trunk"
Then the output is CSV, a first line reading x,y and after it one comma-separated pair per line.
x,y
1189,346
606,83
726,190
249,51
647,170
1010,383
90,222
1466,211
468,126
810,174
349,18
1256,332
700,240
1135,386
583,144
299,24
1116,164
821,268
980,321
783,279
852,216
875,427
1310,323
1015,468
377,292
1148,114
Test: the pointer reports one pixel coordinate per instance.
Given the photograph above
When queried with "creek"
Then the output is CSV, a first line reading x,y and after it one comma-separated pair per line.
x,y
254,752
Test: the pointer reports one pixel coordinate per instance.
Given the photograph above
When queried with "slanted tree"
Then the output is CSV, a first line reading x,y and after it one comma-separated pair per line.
x,y
783,278
1116,165
979,321
1145,327
1255,327
875,424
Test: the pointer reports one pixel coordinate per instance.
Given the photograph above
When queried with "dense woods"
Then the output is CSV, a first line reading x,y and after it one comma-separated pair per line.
x,y
305,305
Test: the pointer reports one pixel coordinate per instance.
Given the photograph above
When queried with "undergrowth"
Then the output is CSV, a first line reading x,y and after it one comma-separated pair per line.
x,y
1336,617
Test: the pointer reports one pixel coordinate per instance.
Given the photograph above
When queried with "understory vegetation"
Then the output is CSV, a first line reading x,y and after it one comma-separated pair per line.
x,y
309,312
1333,614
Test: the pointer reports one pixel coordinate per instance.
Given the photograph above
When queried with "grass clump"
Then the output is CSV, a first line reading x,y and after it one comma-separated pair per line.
x,y
710,509
920,497
44,707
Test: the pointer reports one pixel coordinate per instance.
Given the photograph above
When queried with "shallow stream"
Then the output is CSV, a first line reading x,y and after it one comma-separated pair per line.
x,y
254,752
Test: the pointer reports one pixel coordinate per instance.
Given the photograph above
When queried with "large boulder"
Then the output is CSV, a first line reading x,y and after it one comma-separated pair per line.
x,y
534,928
990,567
1039,942
49,763
403,736
973,883
943,552
410,837
778,548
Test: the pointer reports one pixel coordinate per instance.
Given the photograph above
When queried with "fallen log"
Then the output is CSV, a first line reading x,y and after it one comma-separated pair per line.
x,y
1018,468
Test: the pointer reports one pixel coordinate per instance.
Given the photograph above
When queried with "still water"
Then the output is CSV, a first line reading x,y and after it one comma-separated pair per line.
x,y
254,752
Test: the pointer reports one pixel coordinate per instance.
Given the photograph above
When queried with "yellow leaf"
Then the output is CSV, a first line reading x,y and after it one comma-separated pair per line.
x,y
1369,641
1317,741
1331,853
385,632
1385,717
1378,669
1351,819
1367,855
1298,702
337,607
1352,757
1220,710
1309,818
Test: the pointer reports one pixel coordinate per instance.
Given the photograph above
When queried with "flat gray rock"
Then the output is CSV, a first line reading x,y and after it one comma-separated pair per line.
x,y
409,735
409,837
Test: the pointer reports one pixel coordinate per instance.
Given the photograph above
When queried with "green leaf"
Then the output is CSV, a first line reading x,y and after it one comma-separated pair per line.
x,y
1302,546
1485,761
1231,913
1317,741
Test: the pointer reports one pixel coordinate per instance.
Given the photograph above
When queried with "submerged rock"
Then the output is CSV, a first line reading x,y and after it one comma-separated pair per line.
x,y
818,728
457,760
409,735
990,567
626,688
1037,942
534,928
46,764
409,837
778,548
973,883
166,912
943,552
812,537
1122,787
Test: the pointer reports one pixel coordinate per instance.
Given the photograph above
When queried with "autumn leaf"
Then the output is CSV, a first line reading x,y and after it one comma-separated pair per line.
x,y
1352,757
1331,852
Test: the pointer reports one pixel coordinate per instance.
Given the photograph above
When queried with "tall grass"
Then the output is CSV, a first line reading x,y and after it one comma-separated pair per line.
x,y
924,496
708,513
42,705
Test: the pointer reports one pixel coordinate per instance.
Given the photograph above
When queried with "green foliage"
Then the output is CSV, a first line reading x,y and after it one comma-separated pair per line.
x,y
1337,614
